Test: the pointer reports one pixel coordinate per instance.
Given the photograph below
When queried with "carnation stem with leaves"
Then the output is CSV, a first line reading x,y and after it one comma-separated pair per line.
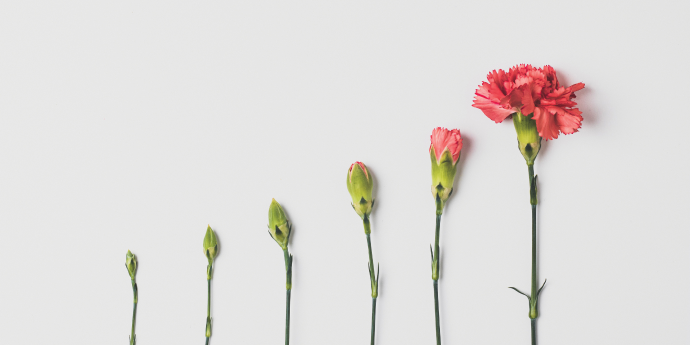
x,y
211,251
131,264
280,230
445,153
360,185
540,109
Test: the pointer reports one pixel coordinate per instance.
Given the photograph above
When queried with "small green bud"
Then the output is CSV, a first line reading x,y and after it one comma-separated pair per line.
x,y
529,141
210,244
360,185
131,263
278,225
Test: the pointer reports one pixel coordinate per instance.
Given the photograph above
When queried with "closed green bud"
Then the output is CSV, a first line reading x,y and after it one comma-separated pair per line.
x,y
529,141
445,154
278,225
210,244
360,185
131,264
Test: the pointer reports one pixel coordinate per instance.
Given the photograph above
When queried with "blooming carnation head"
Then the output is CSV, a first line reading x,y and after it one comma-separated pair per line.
x,y
534,92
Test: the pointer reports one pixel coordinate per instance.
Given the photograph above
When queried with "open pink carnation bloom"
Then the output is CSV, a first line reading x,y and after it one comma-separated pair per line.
x,y
530,90
443,139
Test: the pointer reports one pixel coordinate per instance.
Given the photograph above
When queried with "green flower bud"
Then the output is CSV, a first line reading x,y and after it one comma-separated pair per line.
x,y
278,226
210,244
445,153
131,264
529,141
360,185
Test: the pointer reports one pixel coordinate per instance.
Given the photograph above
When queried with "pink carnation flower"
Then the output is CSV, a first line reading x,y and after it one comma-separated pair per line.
x,y
530,90
443,139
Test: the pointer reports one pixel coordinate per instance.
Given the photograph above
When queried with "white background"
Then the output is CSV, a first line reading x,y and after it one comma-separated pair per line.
x,y
134,124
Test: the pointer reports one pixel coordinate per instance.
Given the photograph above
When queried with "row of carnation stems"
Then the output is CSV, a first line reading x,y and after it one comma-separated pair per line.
x,y
444,153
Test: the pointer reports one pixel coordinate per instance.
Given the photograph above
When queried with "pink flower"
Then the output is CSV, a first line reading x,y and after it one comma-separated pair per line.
x,y
530,90
443,139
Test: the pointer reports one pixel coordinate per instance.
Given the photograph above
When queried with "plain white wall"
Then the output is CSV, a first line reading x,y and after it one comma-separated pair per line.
x,y
134,124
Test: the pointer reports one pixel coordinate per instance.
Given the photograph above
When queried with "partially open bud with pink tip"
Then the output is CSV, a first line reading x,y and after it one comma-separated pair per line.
x,y
360,185
445,153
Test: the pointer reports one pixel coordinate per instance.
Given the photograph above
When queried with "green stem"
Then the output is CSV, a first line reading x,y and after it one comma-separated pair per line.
x,y
436,244
534,230
534,250
534,292
135,290
435,276
438,324
371,260
373,319
208,305
373,278
534,331
287,317
288,286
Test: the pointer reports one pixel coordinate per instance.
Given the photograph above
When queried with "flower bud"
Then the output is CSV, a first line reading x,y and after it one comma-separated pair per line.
x,y
529,141
360,185
131,264
445,153
278,225
210,244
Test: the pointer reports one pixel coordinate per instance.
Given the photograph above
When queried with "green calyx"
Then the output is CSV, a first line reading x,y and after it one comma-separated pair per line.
x,y
208,327
131,264
529,141
360,186
442,177
210,245
278,226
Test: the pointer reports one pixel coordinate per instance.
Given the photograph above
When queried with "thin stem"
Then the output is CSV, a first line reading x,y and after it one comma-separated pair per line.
x,y
435,276
534,292
371,260
534,331
373,319
288,286
373,278
438,320
438,238
533,200
135,290
287,317
208,305
534,250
